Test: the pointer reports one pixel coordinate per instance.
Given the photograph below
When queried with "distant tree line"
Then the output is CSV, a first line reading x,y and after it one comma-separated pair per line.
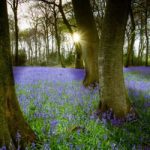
x,y
51,21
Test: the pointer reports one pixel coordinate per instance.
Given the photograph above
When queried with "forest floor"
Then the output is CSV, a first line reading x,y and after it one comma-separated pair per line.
x,y
59,109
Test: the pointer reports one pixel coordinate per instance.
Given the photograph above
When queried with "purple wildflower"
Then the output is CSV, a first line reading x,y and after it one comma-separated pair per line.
x,y
18,136
46,146
33,145
113,146
99,145
116,122
147,104
3,148
53,123
104,121
71,146
105,137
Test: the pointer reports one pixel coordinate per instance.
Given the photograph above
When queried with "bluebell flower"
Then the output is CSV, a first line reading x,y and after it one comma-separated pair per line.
x,y
105,137
104,120
3,148
46,146
99,145
33,145
113,146
18,136
147,104
71,146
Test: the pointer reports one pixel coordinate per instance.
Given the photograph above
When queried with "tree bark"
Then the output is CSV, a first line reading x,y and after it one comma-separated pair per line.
x,y
89,39
11,117
78,58
112,88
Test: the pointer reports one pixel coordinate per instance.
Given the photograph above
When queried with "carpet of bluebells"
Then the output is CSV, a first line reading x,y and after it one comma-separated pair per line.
x,y
59,109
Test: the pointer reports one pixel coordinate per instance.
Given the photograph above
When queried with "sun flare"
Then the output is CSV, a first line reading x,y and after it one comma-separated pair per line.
x,y
76,37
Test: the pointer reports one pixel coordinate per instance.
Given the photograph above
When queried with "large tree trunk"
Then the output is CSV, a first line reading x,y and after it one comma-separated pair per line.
x,y
89,39
112,88
11,117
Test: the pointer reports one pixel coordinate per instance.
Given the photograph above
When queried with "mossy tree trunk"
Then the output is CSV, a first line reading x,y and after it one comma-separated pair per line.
x,y
112,88
11,117
89,39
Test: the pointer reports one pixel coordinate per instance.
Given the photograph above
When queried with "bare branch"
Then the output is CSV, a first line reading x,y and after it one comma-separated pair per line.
x,y
10,4
48,2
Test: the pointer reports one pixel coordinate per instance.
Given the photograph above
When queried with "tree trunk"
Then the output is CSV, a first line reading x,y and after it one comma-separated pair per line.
x,y
11,117
78,58
141,44
89,39
36,43
29,56
16,36
52,43
29,42
47,43
39,51
146,33
58,39
112,88
130,52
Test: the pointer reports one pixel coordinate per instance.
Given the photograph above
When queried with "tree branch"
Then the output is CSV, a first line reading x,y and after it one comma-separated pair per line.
x,y
48,2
